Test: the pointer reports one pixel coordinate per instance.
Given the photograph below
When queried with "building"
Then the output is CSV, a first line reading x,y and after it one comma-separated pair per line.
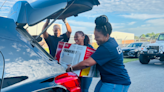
x,y
123,37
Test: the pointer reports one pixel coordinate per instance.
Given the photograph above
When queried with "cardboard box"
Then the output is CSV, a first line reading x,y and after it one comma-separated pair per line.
x,y
72,54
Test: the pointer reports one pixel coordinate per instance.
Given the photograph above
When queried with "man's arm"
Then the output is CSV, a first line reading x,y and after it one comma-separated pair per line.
x,y
45,34
69,30
27,30
41,43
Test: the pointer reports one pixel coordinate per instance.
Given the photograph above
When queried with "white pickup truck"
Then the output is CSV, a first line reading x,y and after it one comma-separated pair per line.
x,y
153,51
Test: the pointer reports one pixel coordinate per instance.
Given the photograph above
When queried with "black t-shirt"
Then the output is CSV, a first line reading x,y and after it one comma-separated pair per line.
x,y
109,60
53,42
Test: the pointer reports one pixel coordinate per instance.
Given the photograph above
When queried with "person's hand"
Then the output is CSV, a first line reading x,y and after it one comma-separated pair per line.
x,y
69,68
65,20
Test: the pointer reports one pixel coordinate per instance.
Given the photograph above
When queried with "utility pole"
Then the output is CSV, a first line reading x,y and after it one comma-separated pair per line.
x,y
124,40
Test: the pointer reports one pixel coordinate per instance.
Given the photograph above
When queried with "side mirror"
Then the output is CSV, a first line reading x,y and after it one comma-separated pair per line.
x,y
38,39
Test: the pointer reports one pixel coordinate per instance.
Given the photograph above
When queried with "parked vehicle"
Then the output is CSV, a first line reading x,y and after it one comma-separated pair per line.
x,y
24,65
133,49
153,51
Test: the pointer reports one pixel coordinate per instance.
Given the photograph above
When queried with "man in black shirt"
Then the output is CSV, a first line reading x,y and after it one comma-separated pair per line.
x,y
52,41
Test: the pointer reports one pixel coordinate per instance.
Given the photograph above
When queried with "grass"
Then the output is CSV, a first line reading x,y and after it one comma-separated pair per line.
x,y
129,59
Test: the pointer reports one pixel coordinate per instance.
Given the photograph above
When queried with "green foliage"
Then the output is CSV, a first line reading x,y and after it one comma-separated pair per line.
x,y
142,36
156,35
150,35
130,59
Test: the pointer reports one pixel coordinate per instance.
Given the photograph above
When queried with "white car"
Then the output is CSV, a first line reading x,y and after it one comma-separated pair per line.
x,y
153,51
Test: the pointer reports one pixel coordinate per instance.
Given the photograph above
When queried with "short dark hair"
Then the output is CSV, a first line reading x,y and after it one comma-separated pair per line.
x,y
86,39
102,25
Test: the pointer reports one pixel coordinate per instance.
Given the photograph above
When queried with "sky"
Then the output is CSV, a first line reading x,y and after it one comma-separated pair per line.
x,y
131,16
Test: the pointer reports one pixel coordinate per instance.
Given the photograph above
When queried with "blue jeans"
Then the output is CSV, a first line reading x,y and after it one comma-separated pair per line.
x,y
109,87
85,83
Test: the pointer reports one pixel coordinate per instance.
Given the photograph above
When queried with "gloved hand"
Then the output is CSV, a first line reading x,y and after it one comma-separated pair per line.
x,y
65,20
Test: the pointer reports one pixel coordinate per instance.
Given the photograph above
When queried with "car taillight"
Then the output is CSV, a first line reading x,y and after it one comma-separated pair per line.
x,y
69,80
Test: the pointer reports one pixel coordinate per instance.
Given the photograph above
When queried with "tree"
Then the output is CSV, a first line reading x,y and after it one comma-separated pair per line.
x,y
153,33
149,35
142,36
156,35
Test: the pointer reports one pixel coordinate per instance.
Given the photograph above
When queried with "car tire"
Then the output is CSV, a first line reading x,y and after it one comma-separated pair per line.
x,y
137,55
144,59
161,59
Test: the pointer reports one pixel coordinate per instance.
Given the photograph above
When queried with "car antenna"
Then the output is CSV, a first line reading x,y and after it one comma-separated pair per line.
x,y
3,4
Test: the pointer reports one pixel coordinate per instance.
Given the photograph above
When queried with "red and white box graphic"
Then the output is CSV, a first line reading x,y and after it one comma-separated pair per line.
x,y
72,54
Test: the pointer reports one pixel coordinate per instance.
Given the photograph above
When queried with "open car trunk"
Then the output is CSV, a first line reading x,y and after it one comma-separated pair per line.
x,y
24,13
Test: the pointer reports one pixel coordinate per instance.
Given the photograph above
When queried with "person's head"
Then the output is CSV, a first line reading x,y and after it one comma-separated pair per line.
x,y
56,30
103,29
81,39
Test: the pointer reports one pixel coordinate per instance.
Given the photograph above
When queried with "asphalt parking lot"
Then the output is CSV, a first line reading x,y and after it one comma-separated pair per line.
x,y
145,78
